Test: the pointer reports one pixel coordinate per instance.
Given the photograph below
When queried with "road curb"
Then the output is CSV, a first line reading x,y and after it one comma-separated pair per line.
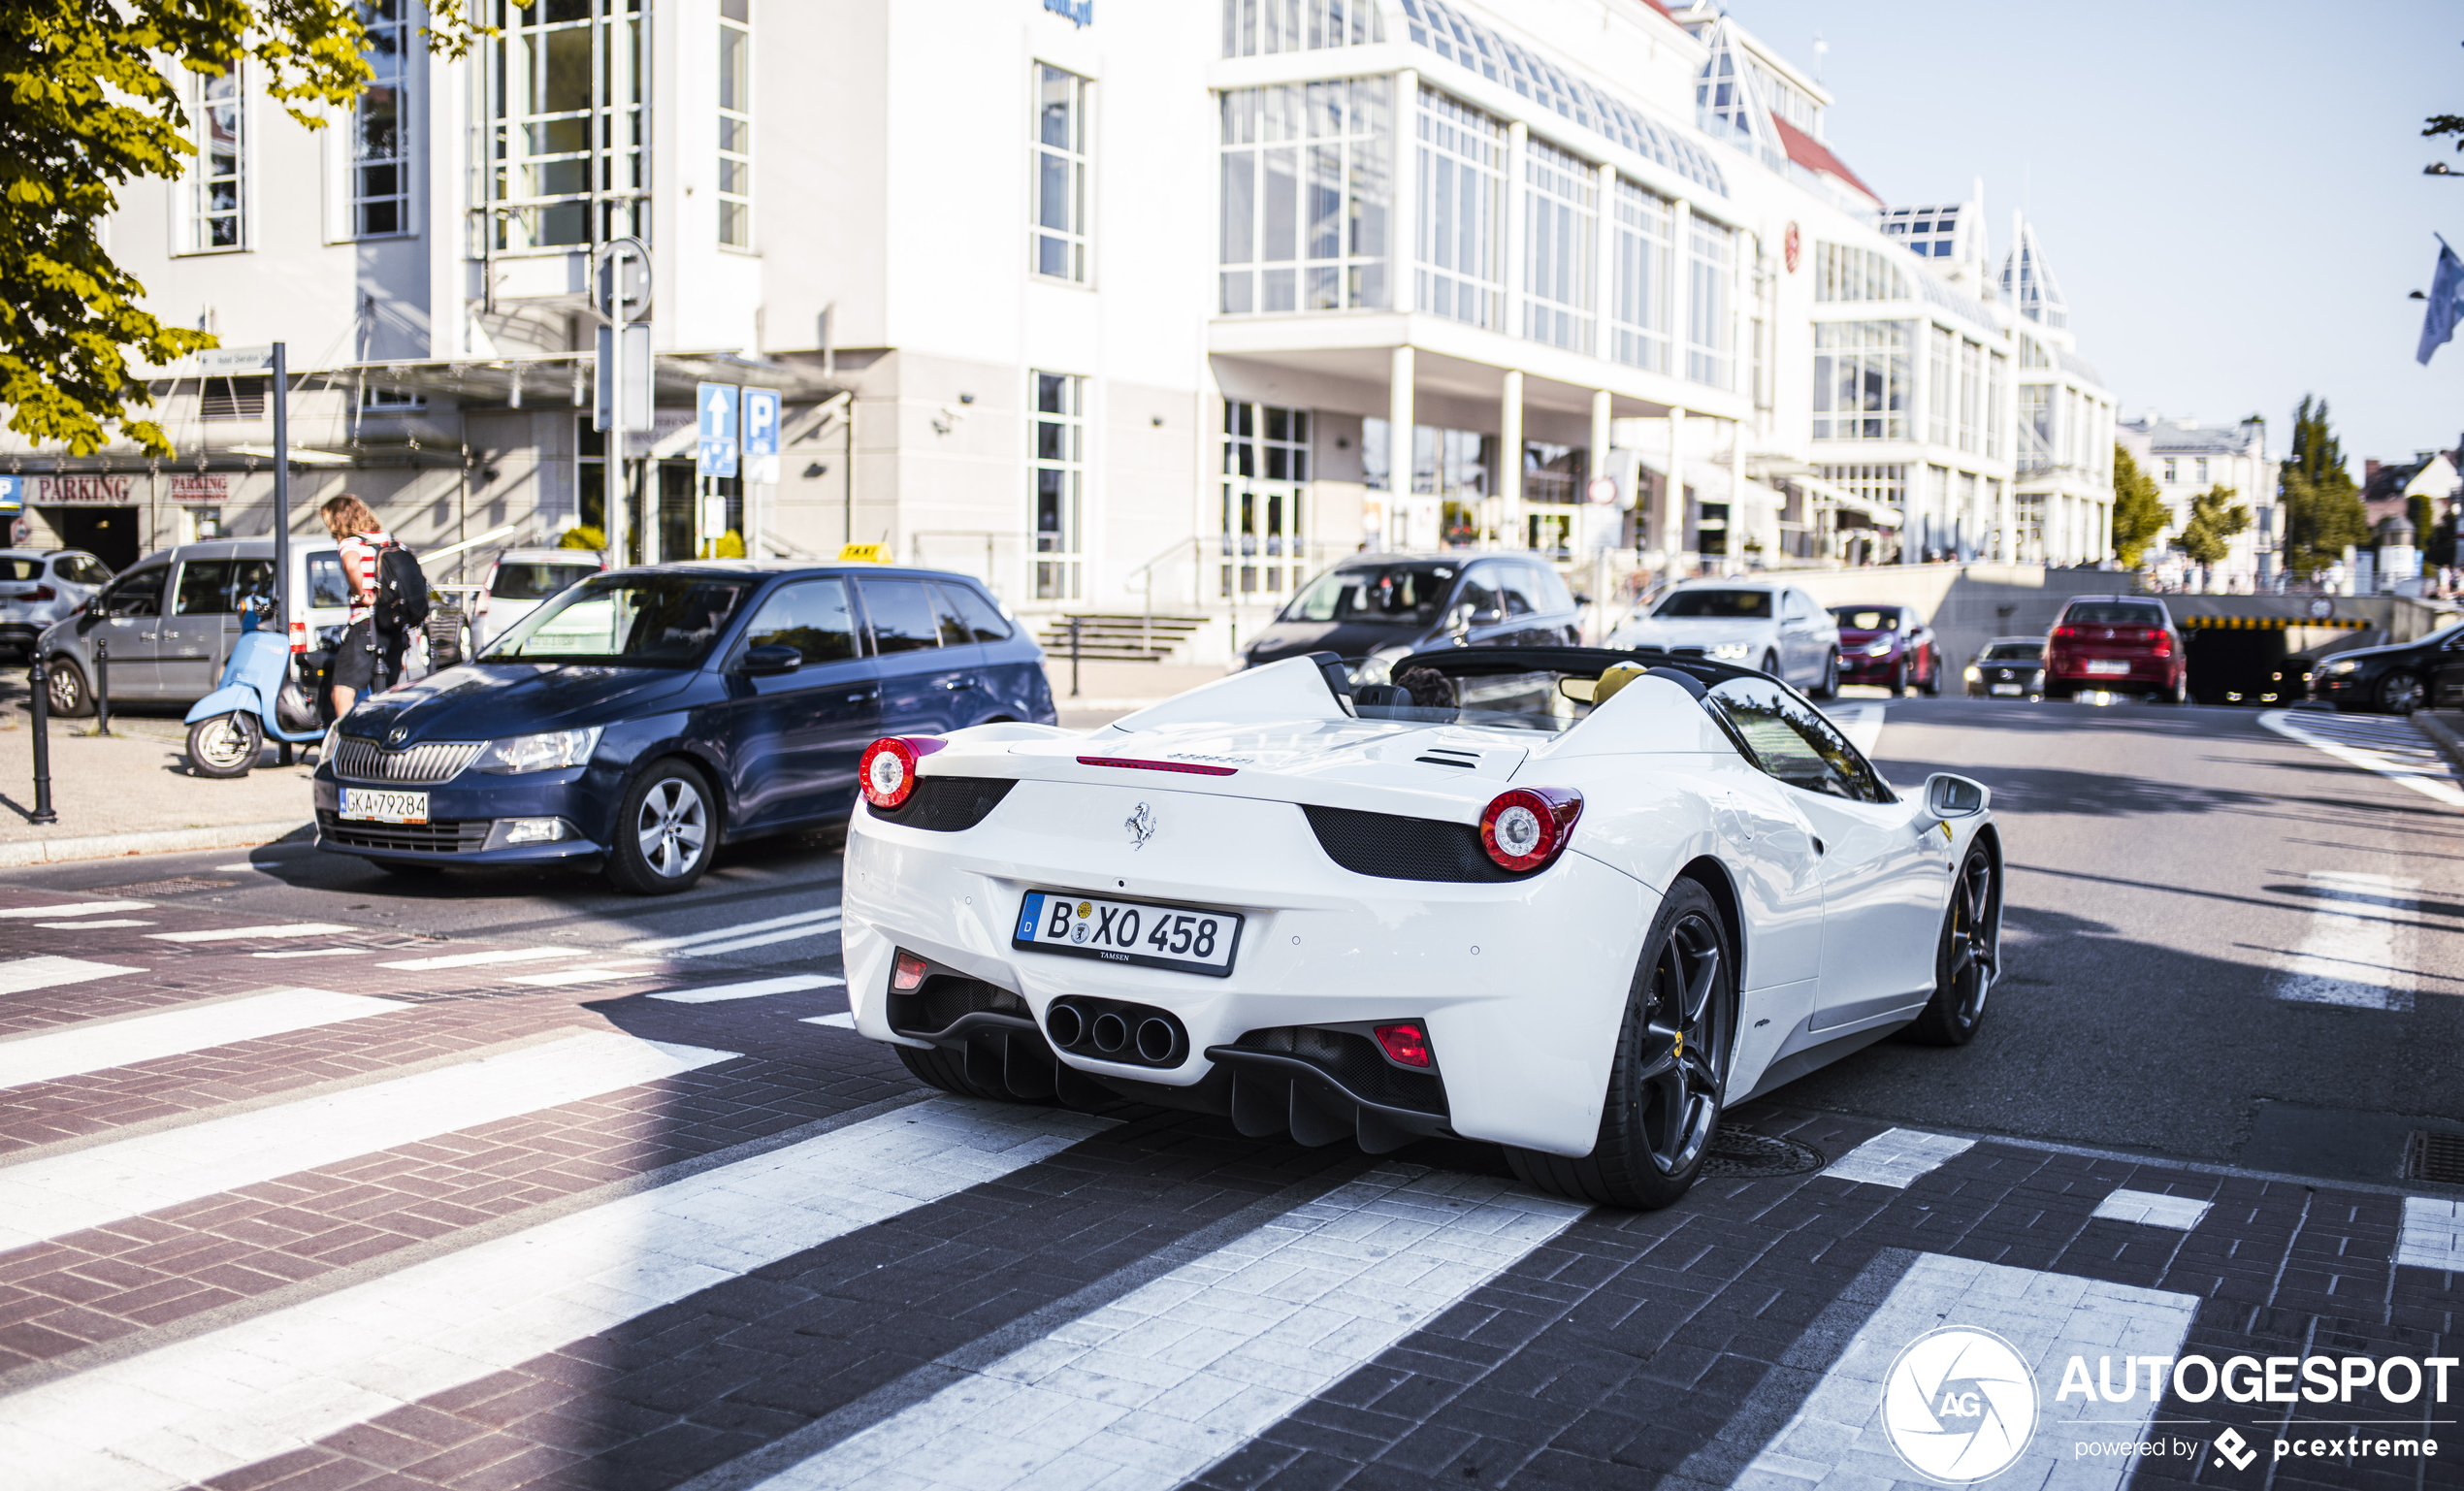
x,y
153,841
2442,735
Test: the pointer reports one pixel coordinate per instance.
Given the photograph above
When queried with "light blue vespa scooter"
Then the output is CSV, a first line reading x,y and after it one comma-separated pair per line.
x,y
229,726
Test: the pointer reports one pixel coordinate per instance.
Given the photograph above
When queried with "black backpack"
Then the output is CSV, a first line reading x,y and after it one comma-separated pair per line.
x,y
402,591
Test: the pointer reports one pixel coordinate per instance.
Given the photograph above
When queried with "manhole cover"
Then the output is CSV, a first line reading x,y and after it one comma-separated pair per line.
x,y
180,887
2430,1157
1737,1154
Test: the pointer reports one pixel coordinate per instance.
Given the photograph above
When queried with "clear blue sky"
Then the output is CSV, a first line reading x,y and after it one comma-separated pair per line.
x,y
2232,195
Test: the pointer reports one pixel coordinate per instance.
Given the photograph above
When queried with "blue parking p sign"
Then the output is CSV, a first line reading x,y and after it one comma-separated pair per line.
x,y
761,422
12,498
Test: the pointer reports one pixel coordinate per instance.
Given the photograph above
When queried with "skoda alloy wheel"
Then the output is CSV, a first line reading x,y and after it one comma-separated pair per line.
x,y
666,832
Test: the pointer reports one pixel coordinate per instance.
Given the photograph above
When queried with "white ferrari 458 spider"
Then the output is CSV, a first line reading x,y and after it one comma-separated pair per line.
x,y
1570,900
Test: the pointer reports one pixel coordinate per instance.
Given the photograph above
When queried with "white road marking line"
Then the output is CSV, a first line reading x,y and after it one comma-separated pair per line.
x,y
1151,1389
81,927
73,909
480,960
844,1020
1838,1437
2433,1236
1896,1156
205,1407
2154,1208
809,929
58,1054
620,968
25,975
790,984
319,953
232,934
725,933
48,1197
2428,777
2361,958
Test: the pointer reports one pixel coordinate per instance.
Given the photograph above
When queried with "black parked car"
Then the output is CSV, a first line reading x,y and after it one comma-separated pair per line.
x,y
2009,668
1385,607
2397,679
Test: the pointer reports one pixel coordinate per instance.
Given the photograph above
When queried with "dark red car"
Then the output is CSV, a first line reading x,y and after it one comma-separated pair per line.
x,y
1890,645
2119,644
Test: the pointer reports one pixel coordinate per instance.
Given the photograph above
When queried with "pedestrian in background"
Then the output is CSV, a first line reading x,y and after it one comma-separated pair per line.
x,y
365,658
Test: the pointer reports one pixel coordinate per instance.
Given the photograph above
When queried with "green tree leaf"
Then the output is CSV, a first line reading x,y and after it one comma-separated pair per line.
x,y
2214,519
2320,504
2139,512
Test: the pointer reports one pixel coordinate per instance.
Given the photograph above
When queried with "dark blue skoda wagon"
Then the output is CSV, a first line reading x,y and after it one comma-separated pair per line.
x,y
643,717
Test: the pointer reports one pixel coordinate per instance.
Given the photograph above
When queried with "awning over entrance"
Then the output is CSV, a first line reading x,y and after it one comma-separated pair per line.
x,y
563,377
1882,514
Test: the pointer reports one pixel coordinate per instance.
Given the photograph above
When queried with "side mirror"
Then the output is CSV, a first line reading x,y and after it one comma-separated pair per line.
x,y
1947,795
763,661
1488,618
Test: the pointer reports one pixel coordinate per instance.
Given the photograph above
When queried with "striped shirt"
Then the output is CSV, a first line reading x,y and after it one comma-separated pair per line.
x,y
359,562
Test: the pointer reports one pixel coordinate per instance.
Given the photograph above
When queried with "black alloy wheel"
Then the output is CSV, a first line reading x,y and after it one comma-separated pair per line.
x,y
70,698
1964,966
1934,678
2400,693
1668,1075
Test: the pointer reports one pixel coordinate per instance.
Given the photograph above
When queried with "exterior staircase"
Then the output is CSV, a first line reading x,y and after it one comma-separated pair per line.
x,y
1116,638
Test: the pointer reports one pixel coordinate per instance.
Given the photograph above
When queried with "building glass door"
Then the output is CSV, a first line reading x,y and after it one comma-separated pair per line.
x,y
1266,472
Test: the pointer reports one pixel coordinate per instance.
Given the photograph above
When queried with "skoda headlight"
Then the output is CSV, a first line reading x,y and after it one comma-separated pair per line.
x,y
2344,665
333,740
550,752
1732,652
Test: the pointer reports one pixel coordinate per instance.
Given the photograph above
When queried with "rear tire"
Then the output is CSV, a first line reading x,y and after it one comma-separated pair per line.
x,y
1900,680
1964,961
1934,678
71,699
2399,694
225,746
1829,688
1669,1077
665,831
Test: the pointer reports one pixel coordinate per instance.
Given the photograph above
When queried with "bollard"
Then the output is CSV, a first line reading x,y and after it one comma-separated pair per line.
x,y
1073,657
101,685
40,679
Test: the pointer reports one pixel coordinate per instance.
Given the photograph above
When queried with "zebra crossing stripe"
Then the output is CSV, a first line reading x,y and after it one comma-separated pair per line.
x,y
2427,776
482,959
91,1048
792,984
205,1407
25,975
73,909
1897,1157
2433,1236
51,1196
1151,1390
234,934
2358,950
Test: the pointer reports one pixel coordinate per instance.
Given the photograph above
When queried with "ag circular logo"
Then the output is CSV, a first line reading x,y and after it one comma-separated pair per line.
x,y
1960,1404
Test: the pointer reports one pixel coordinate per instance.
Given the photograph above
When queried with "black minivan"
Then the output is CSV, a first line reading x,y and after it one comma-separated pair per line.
x,y
1389,607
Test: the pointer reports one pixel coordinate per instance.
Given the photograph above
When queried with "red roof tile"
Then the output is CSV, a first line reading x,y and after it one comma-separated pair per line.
x,y
1810,154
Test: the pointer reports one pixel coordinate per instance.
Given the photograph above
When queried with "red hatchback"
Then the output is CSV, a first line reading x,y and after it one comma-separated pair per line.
x,y
2121,644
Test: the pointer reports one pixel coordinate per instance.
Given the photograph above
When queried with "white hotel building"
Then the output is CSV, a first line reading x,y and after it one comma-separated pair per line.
x,y
1127,302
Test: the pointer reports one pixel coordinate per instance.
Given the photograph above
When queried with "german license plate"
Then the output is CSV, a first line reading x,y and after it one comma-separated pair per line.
x,y
1134,932
2006,688
2107,666
364,806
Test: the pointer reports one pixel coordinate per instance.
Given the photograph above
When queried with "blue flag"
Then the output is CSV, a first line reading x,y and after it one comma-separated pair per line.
x,y
2447,304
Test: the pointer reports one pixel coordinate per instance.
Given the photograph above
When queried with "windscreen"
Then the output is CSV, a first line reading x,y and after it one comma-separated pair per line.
x,y
1867,619
535,582
633,620
1405,594
1719,605
2015,652
2112,613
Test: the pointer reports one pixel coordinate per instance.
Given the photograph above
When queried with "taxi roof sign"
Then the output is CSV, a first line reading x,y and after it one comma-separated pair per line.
x,y
863,554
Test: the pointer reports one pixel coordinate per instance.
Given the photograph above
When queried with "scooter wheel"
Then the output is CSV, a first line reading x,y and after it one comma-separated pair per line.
x,y
225,745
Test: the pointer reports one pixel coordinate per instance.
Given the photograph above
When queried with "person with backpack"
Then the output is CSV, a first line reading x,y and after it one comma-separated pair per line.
x,y
389,600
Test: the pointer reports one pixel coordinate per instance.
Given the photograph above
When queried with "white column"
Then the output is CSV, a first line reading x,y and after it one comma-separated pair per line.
x,y
1603,255
1515,137
1736,492
1680,285
1404,230
1673,499
1399,422
1602,406
1510,462
2005,524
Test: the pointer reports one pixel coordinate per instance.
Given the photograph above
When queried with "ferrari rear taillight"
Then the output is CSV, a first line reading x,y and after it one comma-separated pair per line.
x,y
1405,1045
1523,830
887,771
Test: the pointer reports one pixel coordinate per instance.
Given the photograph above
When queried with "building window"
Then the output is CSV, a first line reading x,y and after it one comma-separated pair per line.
x,y
1462,208
1997,378
2171,474
1971,393
1308,194
1561,219
1638,314
233,399
1707,321
1861,380
1061,144
2199,468
1253,27
380,128
1883,485
391,401
1845,273
570,159
2035,428
1942,361
735,123
1261,440
1058,459
1265,473
218,180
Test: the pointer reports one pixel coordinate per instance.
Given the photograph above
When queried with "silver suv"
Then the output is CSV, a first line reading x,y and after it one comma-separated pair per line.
x,y
170,619
39,588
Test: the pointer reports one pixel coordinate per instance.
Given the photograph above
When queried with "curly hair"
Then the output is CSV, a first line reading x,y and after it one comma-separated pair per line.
x,y
345,515
1429,689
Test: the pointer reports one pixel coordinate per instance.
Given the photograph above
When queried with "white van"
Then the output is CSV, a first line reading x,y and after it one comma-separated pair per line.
x,y
520,579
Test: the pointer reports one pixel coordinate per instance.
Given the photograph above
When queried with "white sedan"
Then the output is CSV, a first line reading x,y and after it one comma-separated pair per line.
x,y
1765,625
1570,900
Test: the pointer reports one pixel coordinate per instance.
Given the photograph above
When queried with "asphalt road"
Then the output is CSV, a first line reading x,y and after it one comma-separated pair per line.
x,y
2174,874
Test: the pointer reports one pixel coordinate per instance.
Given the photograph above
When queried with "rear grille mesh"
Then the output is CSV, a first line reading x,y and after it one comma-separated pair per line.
x,y
450,837
361,759
947,805
1393,847
1353,1059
